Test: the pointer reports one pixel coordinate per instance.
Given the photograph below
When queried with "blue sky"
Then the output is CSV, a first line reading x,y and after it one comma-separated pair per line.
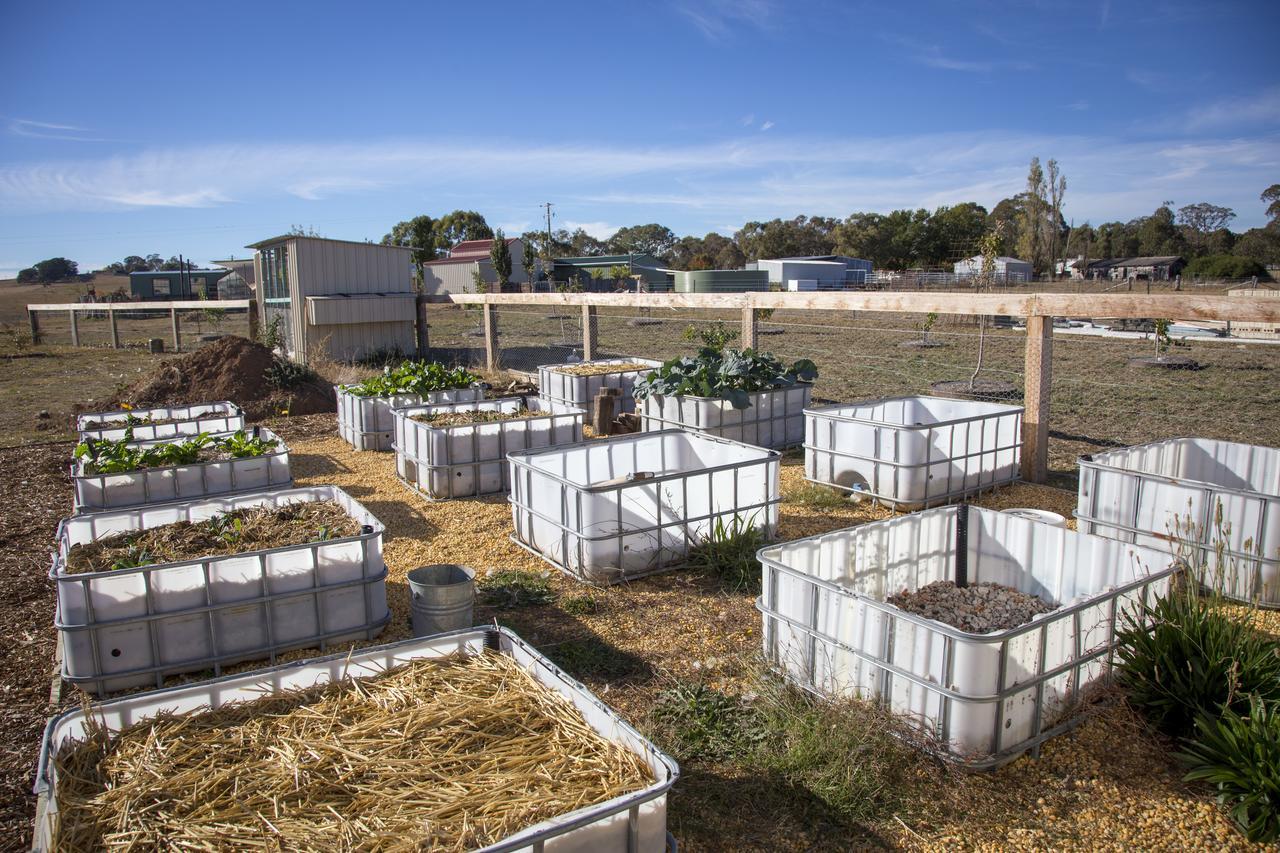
x,y
176,128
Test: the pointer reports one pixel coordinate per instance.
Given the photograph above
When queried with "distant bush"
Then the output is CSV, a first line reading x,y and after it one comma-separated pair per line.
x,y
28,275
1224,266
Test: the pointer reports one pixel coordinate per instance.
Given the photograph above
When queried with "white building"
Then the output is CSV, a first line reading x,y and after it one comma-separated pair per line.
x,y
1008,270
827,272
337,298
456,273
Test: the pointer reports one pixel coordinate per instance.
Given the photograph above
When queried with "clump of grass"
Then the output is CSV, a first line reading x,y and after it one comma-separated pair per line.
x,y
817,496
729,554
581,604
1240,756
850,755
591,658
515,588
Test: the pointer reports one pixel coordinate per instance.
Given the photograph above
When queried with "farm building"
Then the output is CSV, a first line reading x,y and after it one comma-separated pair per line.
x,y
828,272
175,284
1008,270
457,273
242,267
339,298
646,266
1162,268
720,281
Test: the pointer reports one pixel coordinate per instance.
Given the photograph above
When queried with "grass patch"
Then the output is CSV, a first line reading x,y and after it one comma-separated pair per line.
x,y
817,496
515,588
729,554
846,754
581,604
591,658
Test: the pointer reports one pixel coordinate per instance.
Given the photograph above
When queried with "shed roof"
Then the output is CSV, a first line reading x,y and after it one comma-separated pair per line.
x,y
284,238
473,249
171,273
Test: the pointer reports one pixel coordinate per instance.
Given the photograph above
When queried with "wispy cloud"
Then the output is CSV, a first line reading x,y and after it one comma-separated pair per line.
x,y
1078,106
1147,78
717,19
1260,108
931,55
599,230
50,130
1104,14
767,125
747,120
757,176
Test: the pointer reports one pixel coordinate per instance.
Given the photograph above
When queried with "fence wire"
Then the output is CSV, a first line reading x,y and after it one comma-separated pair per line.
x,y
1101,395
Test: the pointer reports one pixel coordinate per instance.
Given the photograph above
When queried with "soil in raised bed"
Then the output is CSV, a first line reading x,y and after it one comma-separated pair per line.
x,y
473,416
979,608
590,369
449,754
257,530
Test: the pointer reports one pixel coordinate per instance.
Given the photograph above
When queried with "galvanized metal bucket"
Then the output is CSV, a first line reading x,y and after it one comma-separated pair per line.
x,y
441,598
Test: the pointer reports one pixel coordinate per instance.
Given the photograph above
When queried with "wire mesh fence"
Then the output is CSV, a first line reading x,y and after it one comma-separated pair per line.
x,y
135,327
1103,393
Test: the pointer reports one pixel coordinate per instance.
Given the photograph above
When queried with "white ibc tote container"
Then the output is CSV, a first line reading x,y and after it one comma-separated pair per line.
x,y
986,697
123,628
635,821
913,451
443,462
608,510
366,423
223,416
1169,495
95,492
571,389
775,419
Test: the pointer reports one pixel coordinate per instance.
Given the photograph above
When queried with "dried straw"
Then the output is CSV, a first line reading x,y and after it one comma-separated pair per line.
x,y
589,369
475,416
259,529
443,754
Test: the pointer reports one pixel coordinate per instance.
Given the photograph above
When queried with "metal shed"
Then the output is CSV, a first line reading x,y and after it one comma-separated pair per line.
x,y
338,298
1008,270
175,284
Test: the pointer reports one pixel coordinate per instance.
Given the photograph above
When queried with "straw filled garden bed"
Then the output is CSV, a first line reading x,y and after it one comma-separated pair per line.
x,y
449,754
476,416
229,533
601,368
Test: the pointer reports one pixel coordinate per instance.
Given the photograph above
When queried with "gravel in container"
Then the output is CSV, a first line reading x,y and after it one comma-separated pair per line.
x,y
449,754
230,533
601,368
979,608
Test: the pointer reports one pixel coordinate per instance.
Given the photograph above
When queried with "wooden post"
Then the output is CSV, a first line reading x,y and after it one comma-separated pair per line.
x,y
491,354
115,327
254,325
750,328
590,333
33,317
177,335
1038,371
420,305
75,327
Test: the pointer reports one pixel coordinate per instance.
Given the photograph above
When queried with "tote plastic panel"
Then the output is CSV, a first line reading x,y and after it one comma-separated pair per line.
x,y
987,697
571,390
631,822
95,492
1147,494
913,451
471,459
131,627
366,423
774,419
223,416
603,511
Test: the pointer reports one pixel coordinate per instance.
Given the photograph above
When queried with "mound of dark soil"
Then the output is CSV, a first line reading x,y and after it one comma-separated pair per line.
x,y
235,369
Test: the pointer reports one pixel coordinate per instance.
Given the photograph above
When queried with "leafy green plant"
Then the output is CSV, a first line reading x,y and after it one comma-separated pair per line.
x,y
697,721
134,558
1239,755
283,374
515,588
244,445
581,605
729,374
1161,336
122,456
226,528
271,335
729,553
414,377
714,336
1195,659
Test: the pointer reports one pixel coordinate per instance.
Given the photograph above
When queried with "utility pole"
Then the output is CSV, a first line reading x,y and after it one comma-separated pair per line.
x,y
547,206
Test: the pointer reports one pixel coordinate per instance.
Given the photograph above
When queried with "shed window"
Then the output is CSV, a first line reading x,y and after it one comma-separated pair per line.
x,y
160,287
